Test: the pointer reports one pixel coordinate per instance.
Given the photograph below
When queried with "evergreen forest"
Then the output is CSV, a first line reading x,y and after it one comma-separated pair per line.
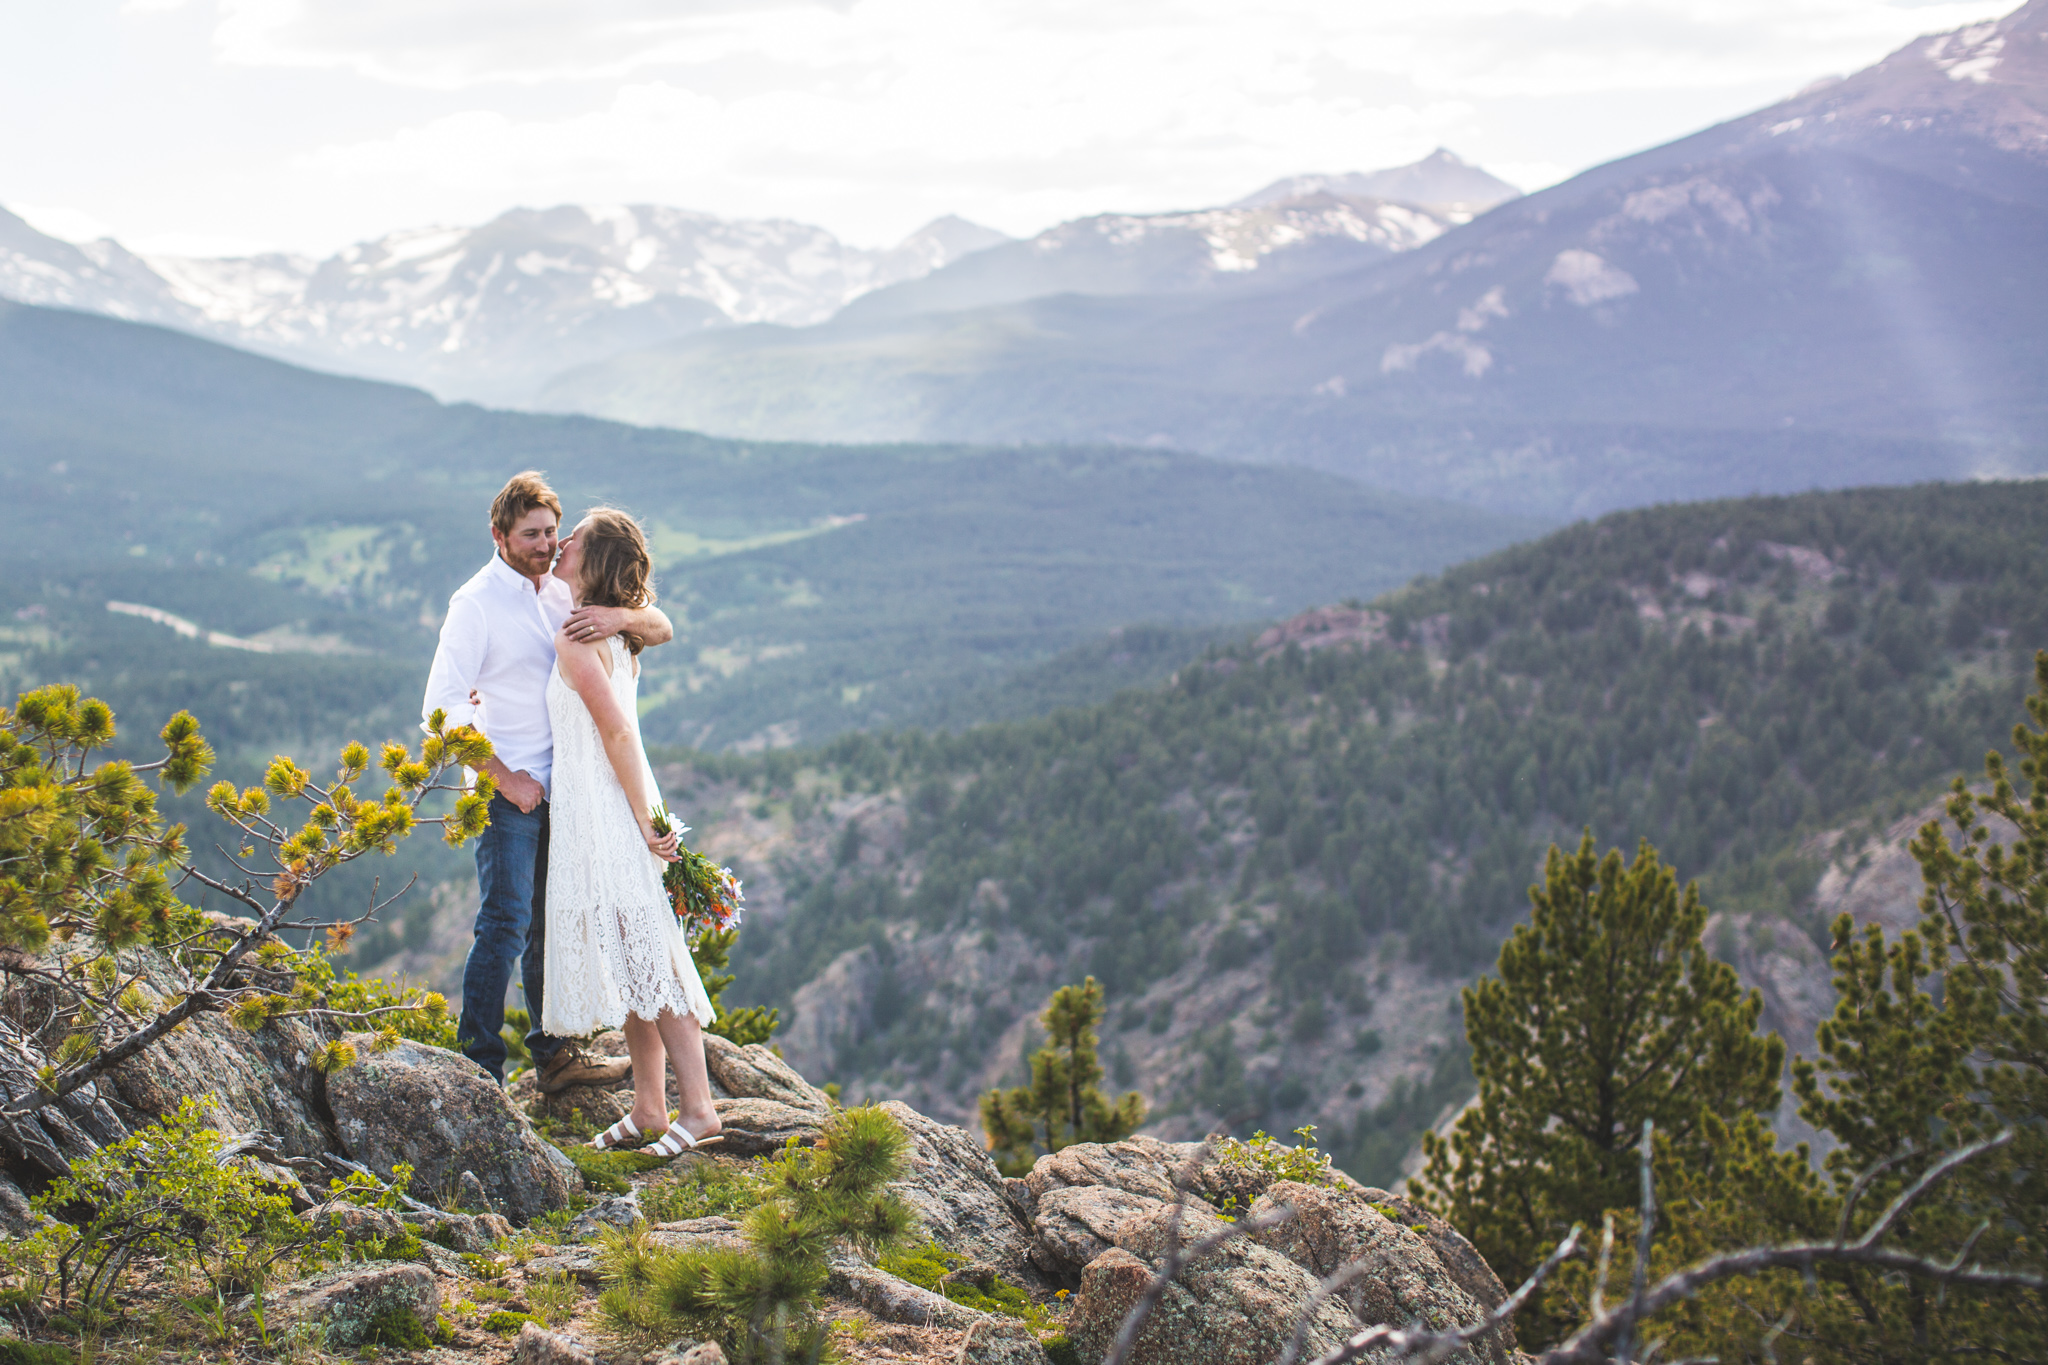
x,y
1725,679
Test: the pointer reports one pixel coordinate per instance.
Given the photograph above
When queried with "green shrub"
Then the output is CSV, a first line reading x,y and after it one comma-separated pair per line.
x,y
507,1323
27,1353
481,1267
400,1327
699,1190
1265,1156
162,1192
760,1302
927,1266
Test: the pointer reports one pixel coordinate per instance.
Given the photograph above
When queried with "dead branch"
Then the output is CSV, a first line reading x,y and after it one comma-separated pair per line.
x,y
1625,1348
1589,1345
1410,1343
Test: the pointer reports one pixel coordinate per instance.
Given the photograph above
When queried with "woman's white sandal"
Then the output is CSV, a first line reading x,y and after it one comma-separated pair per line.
x,y
611,1137
668,1144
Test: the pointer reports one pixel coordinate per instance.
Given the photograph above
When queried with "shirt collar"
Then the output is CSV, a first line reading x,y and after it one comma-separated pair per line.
x,y
505,574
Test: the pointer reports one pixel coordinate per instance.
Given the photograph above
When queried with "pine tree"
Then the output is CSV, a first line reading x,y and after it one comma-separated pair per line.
x,y
748,1023
1606,1011
1939,1038
1064,1103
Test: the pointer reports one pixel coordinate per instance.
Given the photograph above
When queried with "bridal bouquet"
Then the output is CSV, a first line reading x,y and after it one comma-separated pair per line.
x,y
704,895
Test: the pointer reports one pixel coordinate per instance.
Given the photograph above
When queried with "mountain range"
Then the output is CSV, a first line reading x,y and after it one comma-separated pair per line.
x,y
485,313
490,313
1842,288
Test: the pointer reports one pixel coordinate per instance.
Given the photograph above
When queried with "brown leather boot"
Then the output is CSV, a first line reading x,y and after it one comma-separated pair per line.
x,y
571,1065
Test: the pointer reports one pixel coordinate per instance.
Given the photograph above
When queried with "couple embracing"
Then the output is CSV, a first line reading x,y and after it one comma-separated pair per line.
x,y
541,651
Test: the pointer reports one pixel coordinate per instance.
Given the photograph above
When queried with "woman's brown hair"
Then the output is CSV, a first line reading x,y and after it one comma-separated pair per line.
x,y
616,570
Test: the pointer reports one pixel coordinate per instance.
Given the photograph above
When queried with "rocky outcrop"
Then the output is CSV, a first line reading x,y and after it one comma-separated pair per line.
x,y
703,1353
1082,1197
1459,1258
1238,1305
439,1113
751,1127
249,1081
965,1204
754,1072
890,1299
1075,1225
1139,1165
1404,1279
693,1233
43,1142
348,1306
536,1345
998,1341
1101,1216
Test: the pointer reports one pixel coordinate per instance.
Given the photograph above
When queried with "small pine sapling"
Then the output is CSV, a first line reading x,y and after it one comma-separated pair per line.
x,y
1064,1103
761,1301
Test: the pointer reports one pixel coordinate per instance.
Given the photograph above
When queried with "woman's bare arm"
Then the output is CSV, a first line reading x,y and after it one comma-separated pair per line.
x,y
584,668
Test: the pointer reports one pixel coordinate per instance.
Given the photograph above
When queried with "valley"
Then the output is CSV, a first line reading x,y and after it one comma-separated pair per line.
x,y
1175,598
816,588
1284,862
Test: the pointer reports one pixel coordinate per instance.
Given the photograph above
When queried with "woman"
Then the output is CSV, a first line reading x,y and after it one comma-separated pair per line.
x,y
616,957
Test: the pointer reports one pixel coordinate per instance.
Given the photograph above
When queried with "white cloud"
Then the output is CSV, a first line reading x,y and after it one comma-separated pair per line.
x,y
1489,48
310,122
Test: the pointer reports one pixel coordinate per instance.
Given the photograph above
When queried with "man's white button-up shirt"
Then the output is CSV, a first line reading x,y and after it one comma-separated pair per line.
x,y
499,639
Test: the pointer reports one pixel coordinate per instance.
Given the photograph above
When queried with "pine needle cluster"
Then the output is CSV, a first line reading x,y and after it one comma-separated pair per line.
x,y
88,870
760,1302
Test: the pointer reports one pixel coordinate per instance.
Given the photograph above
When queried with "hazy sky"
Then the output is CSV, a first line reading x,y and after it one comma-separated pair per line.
x,y
230,125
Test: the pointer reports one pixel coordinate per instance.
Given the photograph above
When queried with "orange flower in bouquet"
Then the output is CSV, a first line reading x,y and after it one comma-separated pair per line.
x,y
704,895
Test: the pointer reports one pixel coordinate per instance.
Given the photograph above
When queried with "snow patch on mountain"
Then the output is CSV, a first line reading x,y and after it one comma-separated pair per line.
x,y
1969,54
486,312
1239,239
1587,279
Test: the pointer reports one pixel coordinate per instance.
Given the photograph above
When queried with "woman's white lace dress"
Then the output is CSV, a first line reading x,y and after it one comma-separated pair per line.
x,y
613,944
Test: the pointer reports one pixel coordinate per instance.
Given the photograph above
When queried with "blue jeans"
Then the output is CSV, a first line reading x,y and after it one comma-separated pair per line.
x,y
511,925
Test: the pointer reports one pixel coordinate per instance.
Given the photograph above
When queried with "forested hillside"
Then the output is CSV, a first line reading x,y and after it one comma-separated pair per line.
x,y
271,548
1283,862
815,587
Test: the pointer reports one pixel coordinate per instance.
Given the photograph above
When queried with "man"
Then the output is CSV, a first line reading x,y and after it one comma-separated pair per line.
x,y
491,670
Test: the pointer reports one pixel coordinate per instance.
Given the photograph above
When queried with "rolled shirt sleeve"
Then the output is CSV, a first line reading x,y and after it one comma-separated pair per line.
x,y
458,662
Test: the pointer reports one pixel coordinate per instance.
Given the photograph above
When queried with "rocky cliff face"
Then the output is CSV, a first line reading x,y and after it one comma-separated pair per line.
x,y
1204,1042
1080,1236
